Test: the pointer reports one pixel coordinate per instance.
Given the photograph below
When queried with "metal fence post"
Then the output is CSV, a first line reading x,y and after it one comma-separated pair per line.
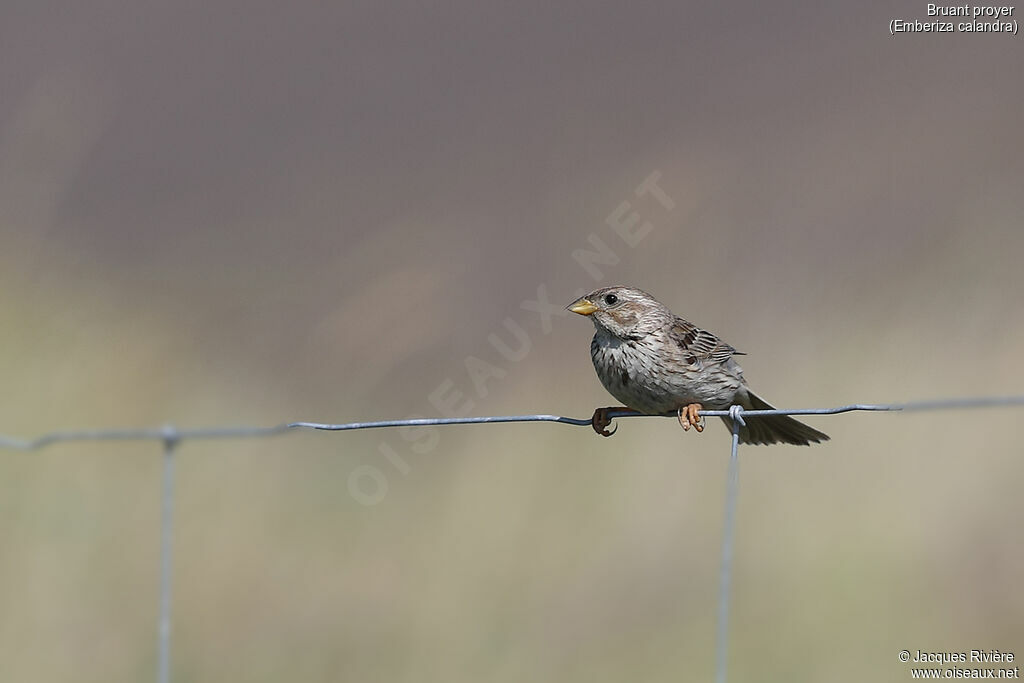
x,y
163,666
728,533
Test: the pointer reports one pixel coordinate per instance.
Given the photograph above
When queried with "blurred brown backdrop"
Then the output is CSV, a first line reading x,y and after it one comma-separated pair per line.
x,y
246,213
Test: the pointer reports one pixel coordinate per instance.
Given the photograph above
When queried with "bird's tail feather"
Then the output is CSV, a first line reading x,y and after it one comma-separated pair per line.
x,y
769,429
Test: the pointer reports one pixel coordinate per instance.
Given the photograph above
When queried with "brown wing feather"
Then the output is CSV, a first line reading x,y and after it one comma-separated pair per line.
x,y
700,343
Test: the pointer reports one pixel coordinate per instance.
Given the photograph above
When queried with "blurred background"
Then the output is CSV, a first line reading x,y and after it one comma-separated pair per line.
x,y
250,213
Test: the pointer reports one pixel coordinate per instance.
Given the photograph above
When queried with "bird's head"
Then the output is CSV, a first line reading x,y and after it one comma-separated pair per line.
x,y
622,311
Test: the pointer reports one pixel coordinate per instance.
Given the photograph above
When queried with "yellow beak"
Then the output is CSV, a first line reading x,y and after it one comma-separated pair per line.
x,y
582,306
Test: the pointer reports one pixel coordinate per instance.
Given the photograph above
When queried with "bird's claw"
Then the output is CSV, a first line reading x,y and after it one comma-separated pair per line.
x,y
689,416
600,422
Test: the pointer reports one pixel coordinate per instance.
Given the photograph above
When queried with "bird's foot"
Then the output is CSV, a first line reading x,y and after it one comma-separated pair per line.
x,y
689,416
601,421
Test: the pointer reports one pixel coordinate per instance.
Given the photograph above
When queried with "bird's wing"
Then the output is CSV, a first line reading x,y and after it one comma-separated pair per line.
x,y
702,344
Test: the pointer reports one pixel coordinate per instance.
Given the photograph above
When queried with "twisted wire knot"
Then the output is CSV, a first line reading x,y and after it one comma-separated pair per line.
x,y
735,413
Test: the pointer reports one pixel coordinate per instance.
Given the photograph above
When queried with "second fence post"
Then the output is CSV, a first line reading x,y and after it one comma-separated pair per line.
x,y
728,533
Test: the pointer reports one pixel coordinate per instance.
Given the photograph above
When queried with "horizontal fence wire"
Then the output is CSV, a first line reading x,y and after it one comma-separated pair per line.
x,y
170,433
171,437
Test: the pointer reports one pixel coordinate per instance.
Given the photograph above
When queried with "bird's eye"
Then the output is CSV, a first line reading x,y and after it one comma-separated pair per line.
x,y
611,299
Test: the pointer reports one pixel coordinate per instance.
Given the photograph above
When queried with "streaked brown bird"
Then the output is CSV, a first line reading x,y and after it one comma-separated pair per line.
x,y
656,363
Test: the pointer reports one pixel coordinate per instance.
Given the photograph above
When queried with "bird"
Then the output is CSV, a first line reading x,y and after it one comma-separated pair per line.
x,y
657,363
